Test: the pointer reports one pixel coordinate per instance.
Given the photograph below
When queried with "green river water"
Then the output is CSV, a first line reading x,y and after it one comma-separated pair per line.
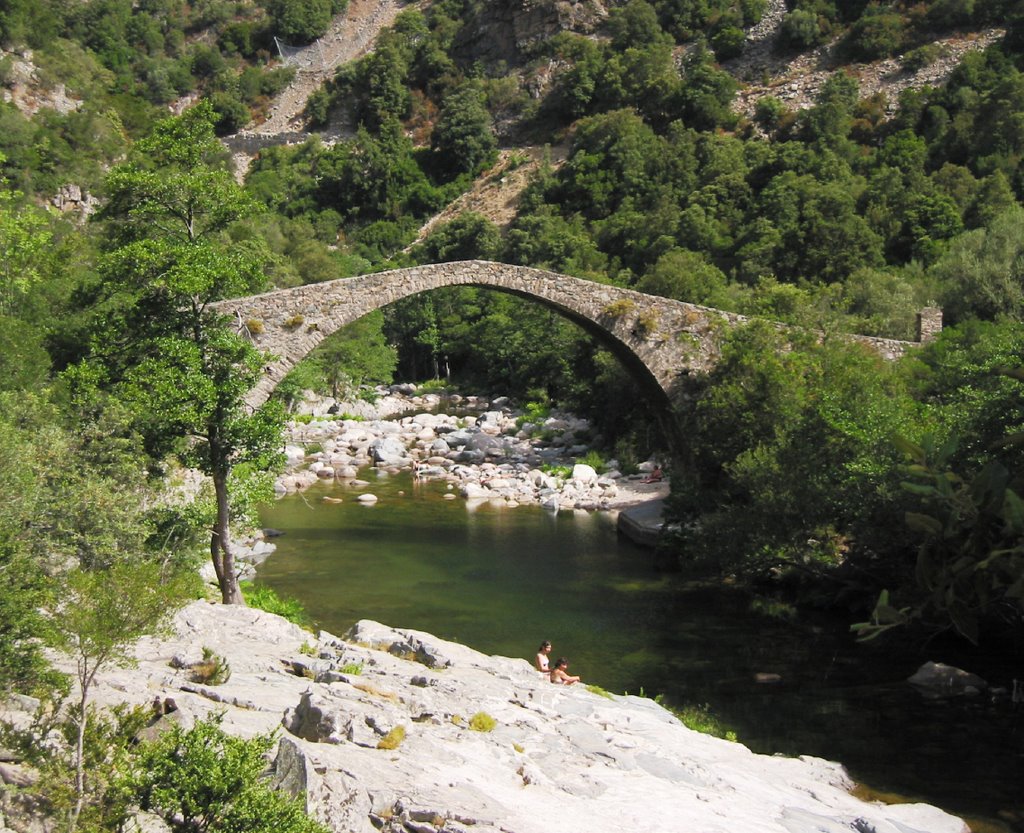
x,y
502,579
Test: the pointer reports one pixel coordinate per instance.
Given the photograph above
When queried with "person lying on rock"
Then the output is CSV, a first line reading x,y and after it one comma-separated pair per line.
x,y
559,675
541,660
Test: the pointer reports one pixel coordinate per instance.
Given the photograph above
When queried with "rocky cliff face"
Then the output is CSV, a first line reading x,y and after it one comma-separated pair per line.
x,y
556,756
506,30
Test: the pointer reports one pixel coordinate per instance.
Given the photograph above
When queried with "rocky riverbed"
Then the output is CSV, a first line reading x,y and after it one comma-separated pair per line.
x,y
556,756
487,450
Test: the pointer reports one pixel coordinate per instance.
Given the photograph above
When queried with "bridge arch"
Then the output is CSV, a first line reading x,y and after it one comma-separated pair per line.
x,y
661,341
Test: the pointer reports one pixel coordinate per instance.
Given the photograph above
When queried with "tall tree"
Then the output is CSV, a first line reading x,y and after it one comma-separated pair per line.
x,y
165,349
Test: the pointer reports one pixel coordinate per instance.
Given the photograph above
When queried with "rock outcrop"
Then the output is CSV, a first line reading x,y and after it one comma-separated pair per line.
x,y
595,762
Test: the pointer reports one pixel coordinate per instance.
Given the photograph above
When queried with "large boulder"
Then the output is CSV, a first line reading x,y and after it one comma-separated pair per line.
x,y
389,451
584,474
936,679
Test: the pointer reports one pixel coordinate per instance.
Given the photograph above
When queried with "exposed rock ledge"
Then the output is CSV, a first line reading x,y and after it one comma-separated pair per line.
x,y
558,757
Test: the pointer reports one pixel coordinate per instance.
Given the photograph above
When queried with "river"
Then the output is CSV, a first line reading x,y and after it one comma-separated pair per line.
x,y
502,579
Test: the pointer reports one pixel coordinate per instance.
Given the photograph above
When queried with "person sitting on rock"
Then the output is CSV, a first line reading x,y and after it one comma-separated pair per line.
x,y
560,676
541,660
655,475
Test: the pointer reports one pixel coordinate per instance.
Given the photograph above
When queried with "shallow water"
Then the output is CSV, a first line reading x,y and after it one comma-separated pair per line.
x,y
501,580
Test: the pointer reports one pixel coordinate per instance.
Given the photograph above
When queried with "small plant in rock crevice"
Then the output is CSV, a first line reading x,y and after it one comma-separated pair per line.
x,y
482,722
213,669
393,739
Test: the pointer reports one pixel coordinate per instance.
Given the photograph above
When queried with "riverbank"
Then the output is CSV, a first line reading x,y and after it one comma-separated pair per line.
x,y
563,756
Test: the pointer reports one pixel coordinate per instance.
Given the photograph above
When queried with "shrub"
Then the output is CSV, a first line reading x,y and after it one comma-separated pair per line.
x,y
301,21
482,722
354,668
232,114
264,598
768,112
924,56
875,36
295,321
254,326
204,778
593,459
800,29
728,43
620,308
551,469
647,322
699,718
213,669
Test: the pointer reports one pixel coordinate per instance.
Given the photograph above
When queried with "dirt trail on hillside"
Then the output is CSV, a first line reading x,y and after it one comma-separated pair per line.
x,y
495,193
352,34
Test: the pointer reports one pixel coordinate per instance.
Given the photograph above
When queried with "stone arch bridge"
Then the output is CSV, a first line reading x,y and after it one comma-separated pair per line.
x,y
660,341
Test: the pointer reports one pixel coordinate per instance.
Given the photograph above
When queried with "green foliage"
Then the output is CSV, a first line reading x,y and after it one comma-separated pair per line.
x,y
206,780
970,564
212,669
49,743
600,692
699,718
463,139
353,668
980,273
24,247
22,664
101,615
801,29
300,21
355,356
792,450
482,722
878,34
265,598
180,366
593,459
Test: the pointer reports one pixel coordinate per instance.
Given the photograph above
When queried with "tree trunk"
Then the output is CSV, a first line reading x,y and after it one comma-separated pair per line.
x,y
76,809
220,546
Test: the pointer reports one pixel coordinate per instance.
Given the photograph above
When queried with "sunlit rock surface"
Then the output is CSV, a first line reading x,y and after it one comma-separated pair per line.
x,y
593,763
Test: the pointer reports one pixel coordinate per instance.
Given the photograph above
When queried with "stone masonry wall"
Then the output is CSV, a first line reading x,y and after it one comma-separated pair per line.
x,y
662,341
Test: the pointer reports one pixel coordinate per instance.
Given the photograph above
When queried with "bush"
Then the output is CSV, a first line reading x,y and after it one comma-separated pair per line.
x,y
800,29
924,56
482,722
592,459
232,115
213,669
299,21
699,718
205,779
264,598
875,36
728,43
